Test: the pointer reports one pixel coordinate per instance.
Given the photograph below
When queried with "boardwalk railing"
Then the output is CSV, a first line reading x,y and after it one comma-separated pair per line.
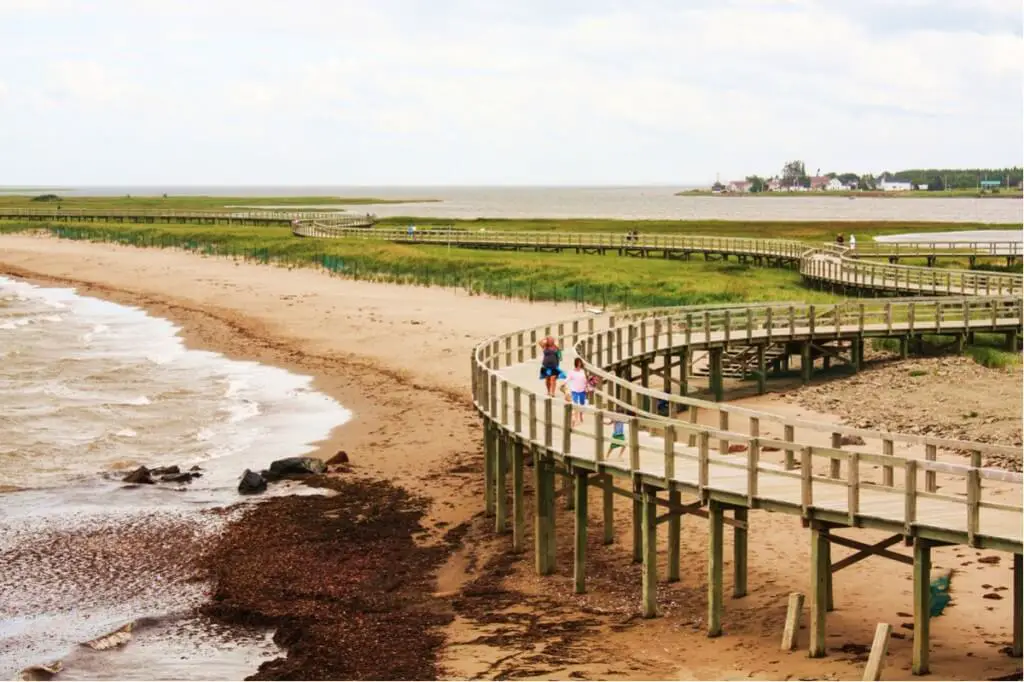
x,y
697,456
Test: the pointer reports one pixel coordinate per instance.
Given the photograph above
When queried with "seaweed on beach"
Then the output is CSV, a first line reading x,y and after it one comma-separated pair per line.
x,y
340,577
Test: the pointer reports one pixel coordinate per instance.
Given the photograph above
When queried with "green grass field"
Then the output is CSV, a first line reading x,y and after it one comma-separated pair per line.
x,y
184,203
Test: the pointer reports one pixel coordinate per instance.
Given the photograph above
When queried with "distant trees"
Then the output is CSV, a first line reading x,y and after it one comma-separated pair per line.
x,y
46,197
794,174
757,183
959,178
717,187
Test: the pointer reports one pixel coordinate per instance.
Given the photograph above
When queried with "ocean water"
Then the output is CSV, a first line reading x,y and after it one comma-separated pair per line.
x,y
88,391
625,203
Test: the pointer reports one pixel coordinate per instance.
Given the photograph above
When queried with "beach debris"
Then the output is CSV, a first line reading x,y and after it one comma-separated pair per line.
x,y
113,639
163,471
991,559
302,466
991,595
142,475
340,458
182,477
851,440
737,447
251,483
46,671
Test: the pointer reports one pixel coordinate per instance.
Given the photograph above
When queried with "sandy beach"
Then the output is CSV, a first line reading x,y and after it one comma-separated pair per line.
x,y
461,605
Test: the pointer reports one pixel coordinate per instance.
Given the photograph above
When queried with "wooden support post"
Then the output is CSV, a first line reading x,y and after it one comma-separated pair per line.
x,y
830,604
567,482
762,369
806,366
684,371
904,347
961,343
489,459
580,554
1018,611
715,370
544,514
879,647
674,531
500,478
739,553
791,630
650,551
922,604
820,570
608,508
856,352
638,539
715,568
1011,341
518,511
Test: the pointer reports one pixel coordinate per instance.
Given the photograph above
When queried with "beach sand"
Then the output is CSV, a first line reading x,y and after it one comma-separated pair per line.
x,y
398,357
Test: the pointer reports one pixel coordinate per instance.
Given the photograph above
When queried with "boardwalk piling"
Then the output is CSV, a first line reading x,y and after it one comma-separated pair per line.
x,y
674,531
544,513
518,511
650,550
715,370
489,457
580,554
806,363
500,479
638,541
739,553
1018,610
879,647
608,509
715,568
819,587
922,605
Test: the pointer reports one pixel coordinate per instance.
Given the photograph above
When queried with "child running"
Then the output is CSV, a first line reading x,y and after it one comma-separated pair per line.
x,y
618,432
550,372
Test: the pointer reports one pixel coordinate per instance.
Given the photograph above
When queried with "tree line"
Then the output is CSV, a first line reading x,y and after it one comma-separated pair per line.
x,y
794,174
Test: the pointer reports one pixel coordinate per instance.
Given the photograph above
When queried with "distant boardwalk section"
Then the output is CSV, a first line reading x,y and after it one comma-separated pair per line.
x,y
166,217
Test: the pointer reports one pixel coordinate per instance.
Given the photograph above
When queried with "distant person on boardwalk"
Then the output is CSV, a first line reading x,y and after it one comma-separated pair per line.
x,y
839,240
853,242
577,381
550,371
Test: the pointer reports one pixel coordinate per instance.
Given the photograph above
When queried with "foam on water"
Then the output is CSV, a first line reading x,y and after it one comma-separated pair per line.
x,y
88,390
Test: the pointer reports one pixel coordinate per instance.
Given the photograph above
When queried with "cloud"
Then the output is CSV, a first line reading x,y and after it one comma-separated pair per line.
x,y
531,92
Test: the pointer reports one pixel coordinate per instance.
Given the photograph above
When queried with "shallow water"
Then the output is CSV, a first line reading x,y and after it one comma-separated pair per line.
x,y
89,390
627,203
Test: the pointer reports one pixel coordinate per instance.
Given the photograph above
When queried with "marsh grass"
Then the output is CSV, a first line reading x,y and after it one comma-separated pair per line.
x,y
986,350
186,203
606,281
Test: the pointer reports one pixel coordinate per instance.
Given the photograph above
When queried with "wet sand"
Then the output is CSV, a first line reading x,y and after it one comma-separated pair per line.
x,y
398,357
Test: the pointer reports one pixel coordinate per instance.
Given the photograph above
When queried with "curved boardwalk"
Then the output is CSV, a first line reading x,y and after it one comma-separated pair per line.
x,y
160,216
717,461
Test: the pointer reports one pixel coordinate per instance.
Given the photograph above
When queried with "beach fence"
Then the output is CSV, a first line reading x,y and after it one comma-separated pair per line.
x,y
366,267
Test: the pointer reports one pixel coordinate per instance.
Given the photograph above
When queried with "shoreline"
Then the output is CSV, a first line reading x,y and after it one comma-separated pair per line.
x,y
412,425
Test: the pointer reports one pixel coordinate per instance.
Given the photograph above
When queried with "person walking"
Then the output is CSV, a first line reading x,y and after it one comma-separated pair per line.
x,y
550,372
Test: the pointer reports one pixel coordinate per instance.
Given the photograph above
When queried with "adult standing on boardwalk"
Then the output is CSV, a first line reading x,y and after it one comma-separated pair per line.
x,y
550,371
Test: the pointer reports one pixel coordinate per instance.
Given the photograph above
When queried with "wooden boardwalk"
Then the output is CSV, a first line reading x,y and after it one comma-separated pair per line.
x,y
160,216
731,460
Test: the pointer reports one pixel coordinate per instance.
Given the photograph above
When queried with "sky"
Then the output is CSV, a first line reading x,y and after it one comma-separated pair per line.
x,y
478,92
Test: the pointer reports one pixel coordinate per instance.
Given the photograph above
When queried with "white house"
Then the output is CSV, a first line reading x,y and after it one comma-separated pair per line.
x,y
895,186
834,185
739,186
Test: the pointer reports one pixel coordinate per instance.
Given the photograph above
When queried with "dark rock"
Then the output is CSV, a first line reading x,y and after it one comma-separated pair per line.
x,y
251,483
196,467
183,477
161,471
340,458
991,595
851,440
990,559
301,466
140,475
737,448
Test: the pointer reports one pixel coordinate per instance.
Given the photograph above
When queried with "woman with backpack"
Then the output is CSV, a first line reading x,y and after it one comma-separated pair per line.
x,y
550,371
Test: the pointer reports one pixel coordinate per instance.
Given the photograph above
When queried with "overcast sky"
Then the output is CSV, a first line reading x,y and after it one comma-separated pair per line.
x,y
436,92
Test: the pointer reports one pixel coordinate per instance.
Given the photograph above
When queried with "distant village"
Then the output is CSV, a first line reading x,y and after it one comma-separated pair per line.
x,y
794,178
818,183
